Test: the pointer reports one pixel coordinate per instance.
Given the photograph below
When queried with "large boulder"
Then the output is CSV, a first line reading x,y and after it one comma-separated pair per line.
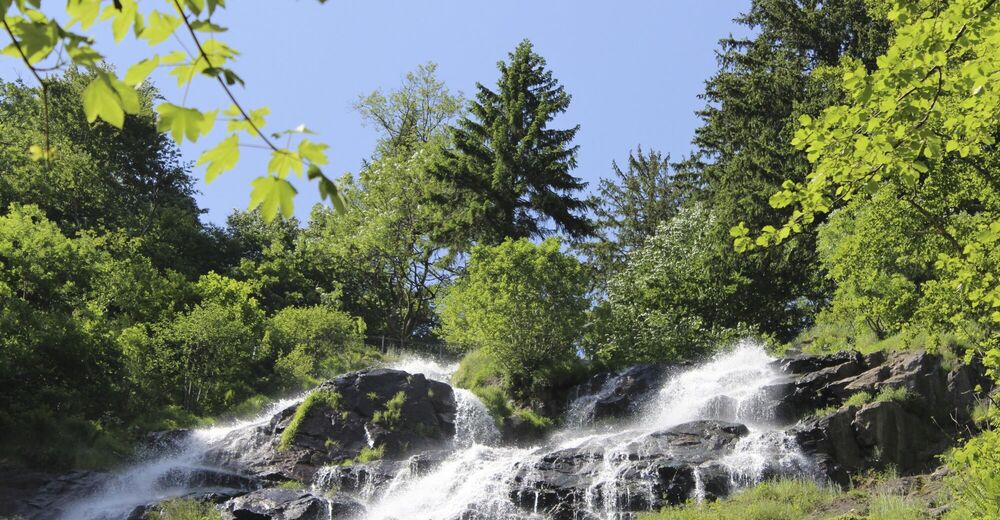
x,y
382,413
290,504
642,473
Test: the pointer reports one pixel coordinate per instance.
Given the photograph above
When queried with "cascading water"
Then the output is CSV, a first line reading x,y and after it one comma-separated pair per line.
x,y
480,478
177,471
484,481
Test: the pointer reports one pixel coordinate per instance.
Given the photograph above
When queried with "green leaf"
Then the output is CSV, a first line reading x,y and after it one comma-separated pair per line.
x,y
180,122
138,73
284,161
101,101
313,152
222,158
159,27
271,195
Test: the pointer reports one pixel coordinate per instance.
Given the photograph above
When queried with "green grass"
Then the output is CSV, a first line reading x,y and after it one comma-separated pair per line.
x,y
392,416
858,399
319,397
291,484
478,369
370,454
798,500
898,394
184,509
537,421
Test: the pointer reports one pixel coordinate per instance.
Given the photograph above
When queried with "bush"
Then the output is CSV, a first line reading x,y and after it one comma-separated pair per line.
x,y
975,475
858,399
392,416
779,500
667,304
309,343
524,303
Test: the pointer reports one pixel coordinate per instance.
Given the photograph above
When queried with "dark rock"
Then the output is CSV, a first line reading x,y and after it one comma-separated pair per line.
x,y
615,394
652,470
832,442
898,437
49,500
166,441
519,431
806,364
326,435
289,504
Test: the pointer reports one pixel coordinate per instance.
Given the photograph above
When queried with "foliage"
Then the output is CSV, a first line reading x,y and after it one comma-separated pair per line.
x,y
889,393
184,509
859,399
974,478
369,454
668,302
44,44
308,341
743,151
392,416
631,206
524,303
324,398
516,168
923,123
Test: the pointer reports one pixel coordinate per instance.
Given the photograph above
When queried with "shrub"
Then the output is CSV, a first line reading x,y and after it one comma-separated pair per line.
x,y
370,454
858,399
975,475
308,343
317,398
524,303
892,393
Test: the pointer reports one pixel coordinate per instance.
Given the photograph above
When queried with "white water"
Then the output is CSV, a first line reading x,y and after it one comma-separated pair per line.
x,y
729,387
479,474
165,475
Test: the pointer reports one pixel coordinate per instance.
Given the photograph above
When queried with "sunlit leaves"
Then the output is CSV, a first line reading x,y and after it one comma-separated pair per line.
x,y
183,122
272,195
138,73
109,99
222,158
159,27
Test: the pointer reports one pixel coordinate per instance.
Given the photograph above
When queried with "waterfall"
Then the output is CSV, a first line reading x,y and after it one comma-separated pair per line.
x,y
176,471
479,477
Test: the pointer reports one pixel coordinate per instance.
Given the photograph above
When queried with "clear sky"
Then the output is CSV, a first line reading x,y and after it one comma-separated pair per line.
x,y
633,67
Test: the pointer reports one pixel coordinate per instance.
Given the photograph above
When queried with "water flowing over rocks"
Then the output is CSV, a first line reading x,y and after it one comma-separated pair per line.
x,y
631,441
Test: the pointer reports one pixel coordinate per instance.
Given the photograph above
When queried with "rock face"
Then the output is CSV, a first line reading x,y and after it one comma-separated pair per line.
x,y
388,413
289,504
616,395
651,471
907,433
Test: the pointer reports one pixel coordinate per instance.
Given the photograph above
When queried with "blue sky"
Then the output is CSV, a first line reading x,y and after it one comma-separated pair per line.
x,y
634,69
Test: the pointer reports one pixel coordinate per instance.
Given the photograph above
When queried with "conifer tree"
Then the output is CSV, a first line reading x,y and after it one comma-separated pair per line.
x,y
511,161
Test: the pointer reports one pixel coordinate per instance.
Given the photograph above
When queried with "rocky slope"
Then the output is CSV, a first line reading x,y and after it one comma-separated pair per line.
x,y
375,443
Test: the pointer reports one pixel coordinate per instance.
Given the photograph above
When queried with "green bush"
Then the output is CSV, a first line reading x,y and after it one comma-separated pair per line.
x,y
975,476
368,454
318,398
898,394
524,303
858,399
310,343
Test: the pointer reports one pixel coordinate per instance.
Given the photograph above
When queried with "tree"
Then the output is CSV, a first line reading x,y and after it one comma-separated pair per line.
x,y
515,167
632,205
412,115
764,83
43,44
394,248
311,342
524,303
669,301
128,179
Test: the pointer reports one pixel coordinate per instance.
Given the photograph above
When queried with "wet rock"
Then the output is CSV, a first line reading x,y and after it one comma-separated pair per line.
x,y
421,417
289,504
807,364
649,472
50,499
832,441
616,394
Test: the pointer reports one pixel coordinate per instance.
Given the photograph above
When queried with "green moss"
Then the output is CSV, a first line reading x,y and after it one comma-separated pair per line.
x,y
478,369
392,416
826,410
370,454
319,397
184,509
291,484
537,421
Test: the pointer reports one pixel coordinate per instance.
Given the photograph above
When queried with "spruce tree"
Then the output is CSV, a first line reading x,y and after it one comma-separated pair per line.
x,y
512,163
